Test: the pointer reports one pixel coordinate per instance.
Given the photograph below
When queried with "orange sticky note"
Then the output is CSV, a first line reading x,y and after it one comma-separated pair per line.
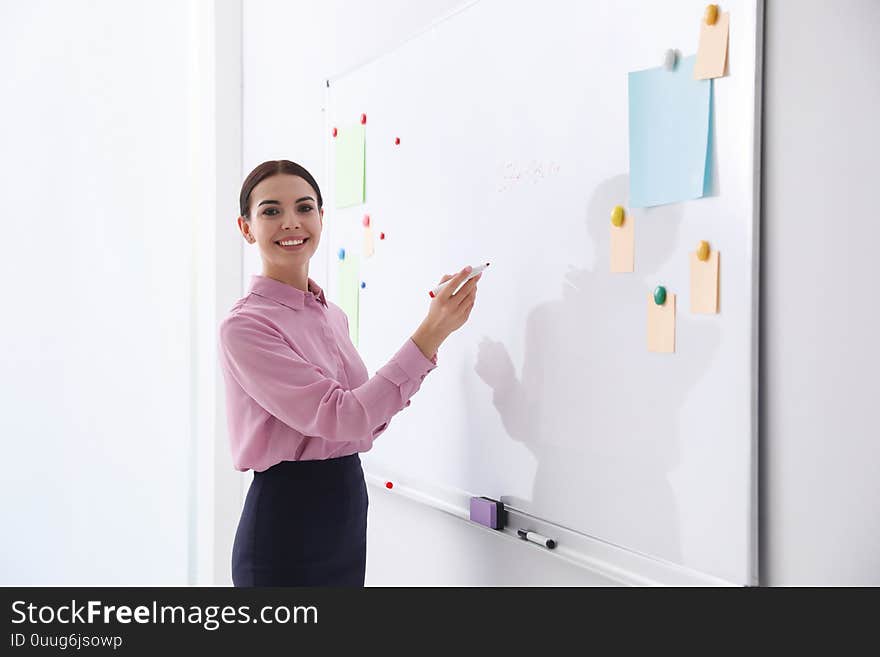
x,y
661,325
368,242
623,245
704,284
712,51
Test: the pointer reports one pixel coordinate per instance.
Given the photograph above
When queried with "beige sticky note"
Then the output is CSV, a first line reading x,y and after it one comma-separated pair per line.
x,y
623,245
661,325
704,284
712,52
368,242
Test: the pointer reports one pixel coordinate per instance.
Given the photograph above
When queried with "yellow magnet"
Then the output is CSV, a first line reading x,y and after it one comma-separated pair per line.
x,y
711,14
617,216
703,251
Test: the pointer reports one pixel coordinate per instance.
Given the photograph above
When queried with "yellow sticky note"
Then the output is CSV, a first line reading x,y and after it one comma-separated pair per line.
x,y
712,51
661,325
369,249
623,245
704,284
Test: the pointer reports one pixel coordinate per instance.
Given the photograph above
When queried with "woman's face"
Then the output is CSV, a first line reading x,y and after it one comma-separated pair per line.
x,y
285,222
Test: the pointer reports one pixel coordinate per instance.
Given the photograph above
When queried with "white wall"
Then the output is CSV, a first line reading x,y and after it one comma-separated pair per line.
x,y
216,111
108,268
821,319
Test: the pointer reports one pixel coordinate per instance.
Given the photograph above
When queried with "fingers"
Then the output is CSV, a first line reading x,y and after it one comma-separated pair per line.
x,y
469,306
467,289
445,278
456,281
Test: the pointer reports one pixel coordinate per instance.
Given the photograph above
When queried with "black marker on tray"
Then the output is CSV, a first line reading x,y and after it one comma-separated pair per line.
x,y
527,535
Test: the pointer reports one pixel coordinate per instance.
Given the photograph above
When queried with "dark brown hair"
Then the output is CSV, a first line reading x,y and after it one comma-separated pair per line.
x,y
272,168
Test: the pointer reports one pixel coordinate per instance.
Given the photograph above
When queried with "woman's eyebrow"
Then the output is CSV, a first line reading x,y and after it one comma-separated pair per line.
x,y
304,198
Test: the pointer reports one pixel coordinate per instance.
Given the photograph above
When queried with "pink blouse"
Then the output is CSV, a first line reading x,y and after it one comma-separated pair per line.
x,y
296,388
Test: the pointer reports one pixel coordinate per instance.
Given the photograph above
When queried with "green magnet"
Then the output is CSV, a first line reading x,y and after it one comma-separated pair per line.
x,y
659,295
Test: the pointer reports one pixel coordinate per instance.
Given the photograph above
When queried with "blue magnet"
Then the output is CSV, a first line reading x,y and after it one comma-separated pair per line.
x,y
363,285
341,254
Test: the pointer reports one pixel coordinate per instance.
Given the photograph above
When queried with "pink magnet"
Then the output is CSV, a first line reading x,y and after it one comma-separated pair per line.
x,y
335,132
367,220
381,236
397,141
363,119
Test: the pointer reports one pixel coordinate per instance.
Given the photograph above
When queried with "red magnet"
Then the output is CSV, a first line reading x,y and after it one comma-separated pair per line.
x,y
389,485
335,132
397,141
381,236
363,119
367,220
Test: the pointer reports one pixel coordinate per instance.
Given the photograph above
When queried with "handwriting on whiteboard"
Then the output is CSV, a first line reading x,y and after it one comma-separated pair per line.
x,y
514,174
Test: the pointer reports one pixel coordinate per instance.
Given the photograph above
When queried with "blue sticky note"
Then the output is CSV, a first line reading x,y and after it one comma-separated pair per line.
x,y
669,122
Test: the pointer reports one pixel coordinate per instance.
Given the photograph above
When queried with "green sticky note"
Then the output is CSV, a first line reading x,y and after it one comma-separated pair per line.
x,y
351,164
349,293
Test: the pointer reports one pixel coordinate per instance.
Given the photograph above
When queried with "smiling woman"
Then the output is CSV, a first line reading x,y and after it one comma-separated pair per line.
x,y
300,405
288,217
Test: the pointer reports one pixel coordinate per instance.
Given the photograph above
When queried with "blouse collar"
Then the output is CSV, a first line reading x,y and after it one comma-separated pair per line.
x,y
285,294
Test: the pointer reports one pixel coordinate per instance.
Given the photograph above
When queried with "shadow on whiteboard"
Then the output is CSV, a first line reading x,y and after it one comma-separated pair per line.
x,y
600,414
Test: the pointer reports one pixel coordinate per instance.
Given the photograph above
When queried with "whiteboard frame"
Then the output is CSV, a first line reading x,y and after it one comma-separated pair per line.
x,y
618,563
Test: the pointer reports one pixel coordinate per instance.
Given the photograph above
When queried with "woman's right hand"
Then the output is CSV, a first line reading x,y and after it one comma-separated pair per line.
x,y
448,311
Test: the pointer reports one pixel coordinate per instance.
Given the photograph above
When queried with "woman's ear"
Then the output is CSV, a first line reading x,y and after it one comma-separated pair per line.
x,y
322,215
244,227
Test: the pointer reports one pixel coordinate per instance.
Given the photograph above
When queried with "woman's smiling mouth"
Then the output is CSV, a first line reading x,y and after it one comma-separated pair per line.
x,y
292,244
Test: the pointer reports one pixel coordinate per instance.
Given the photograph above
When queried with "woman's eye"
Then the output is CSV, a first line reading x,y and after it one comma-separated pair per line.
x,y
305,208
271,211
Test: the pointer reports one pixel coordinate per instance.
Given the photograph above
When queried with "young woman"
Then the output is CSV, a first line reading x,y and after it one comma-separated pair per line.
x,y
300,404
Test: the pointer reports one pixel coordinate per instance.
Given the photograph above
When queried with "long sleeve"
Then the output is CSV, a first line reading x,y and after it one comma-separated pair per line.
x,y
303,396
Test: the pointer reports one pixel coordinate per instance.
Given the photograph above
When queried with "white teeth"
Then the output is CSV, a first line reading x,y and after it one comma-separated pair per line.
x,y
291,242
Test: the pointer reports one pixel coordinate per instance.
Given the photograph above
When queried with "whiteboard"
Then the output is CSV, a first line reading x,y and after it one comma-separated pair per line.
x,y
512,121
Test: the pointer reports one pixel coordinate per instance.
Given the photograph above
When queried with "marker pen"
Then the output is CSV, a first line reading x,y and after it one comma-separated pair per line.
x,y
476,270
526,535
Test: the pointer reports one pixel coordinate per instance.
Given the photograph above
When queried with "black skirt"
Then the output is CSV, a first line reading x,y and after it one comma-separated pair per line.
x,y
304,523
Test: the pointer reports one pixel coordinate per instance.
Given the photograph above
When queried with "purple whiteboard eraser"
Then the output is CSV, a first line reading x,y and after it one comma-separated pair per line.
x,y
488,512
